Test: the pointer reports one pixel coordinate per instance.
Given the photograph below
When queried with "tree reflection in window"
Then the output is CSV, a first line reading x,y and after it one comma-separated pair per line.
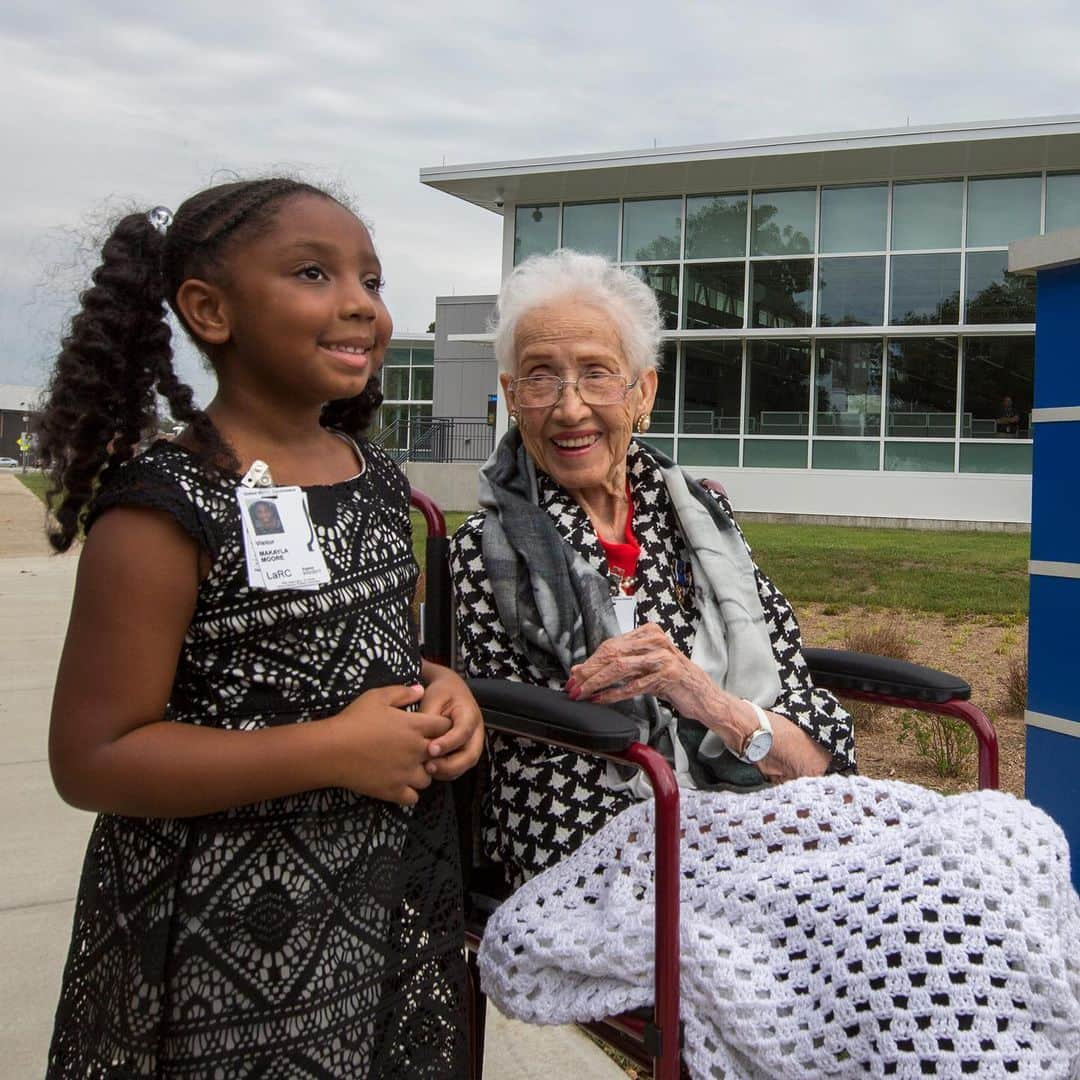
x,y
993,295
922,388
778,388
716,226
783,223
664,281
925,290
781,292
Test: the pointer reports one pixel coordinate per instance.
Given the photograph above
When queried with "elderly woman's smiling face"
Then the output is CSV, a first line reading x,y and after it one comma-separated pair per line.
x,y
583,447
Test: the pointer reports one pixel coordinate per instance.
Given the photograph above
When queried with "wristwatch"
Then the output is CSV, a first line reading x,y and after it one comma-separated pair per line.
x,y
758,743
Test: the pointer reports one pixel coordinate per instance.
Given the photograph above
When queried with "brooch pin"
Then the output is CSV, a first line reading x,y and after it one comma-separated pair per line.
x,y
621,582
684,583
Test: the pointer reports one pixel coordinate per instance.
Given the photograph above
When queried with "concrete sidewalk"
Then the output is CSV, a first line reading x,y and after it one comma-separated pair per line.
x,y
42,842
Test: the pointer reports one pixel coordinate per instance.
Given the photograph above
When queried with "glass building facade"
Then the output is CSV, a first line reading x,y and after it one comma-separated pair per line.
x,y
868,326
408,386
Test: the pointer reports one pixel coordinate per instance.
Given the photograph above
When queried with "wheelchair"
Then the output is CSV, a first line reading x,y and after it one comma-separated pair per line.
x,y
651,1038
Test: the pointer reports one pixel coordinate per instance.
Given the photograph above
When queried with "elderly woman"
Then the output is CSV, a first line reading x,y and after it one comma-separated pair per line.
x,y
599,567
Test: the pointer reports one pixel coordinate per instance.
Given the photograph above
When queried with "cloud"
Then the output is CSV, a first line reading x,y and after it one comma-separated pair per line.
x,y
126,101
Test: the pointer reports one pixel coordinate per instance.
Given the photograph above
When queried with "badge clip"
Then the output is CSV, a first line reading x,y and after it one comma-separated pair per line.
x,y
258,476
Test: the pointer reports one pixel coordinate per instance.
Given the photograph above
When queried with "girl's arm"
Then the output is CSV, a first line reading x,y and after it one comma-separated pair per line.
x,y
110,749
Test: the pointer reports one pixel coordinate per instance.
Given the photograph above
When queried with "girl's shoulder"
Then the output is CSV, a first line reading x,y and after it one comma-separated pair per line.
x,y
168,478
382,472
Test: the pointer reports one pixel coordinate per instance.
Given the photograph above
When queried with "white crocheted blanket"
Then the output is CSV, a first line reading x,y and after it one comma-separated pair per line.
x,y
830,927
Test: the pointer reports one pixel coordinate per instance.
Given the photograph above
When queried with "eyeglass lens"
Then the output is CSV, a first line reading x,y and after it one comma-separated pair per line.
x,y
594,389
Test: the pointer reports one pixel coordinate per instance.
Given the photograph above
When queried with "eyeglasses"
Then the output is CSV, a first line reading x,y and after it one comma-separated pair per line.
x,y
594,388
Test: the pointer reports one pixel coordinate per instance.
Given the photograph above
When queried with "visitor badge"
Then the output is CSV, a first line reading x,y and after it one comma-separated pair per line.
x,y
280,545
625,613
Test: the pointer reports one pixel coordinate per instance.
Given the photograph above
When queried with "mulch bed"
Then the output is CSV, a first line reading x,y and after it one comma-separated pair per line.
x,y
977,649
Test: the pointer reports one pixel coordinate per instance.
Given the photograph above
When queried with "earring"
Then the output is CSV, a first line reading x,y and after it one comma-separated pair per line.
x,y
643,424
513,417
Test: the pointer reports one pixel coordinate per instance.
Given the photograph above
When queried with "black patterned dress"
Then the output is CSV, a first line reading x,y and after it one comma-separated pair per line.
x,y
310,936
542,802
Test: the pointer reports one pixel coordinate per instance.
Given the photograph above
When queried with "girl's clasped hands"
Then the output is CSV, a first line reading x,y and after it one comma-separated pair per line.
x,y
390,753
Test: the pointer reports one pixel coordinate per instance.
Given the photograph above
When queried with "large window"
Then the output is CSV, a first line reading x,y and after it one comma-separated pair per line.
x,y
713,295
662,419
783,222
927,215
408,386
592,228
778,388
853,218
1062,201
922,388
851,291
848,388
664,281
992,294
712,374
781,292
925,290
536,231
998,388
715,226
651,229
1002,209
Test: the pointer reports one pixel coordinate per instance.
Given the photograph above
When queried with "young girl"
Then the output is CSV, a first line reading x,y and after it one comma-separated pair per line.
x,y
271,888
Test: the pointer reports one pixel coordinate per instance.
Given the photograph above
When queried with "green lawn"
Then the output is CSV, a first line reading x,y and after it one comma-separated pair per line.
x,y
36,481
453,519
952,573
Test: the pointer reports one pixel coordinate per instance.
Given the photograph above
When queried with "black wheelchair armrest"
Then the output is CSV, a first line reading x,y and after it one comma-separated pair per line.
x,y
840,670
550,716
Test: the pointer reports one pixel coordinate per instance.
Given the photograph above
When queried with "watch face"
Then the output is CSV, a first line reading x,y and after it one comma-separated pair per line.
x,y
759,745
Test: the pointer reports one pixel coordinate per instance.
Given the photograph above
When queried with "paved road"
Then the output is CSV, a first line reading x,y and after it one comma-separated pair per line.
x,y
42,839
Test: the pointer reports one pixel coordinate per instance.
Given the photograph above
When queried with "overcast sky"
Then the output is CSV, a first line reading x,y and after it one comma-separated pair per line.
x,y
113,102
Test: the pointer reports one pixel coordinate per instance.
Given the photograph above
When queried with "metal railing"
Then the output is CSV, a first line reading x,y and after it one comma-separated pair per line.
x,y
437,439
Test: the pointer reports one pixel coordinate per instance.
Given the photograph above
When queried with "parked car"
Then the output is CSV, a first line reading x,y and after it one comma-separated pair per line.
x,y
8,463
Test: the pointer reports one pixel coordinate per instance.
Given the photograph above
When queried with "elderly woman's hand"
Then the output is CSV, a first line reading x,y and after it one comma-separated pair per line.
x,y
644,661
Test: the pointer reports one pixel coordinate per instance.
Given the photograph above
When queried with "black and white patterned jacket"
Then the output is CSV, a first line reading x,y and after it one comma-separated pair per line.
x,y
543,802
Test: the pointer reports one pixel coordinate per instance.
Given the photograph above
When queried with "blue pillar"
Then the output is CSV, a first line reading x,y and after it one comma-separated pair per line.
x,y
1052,773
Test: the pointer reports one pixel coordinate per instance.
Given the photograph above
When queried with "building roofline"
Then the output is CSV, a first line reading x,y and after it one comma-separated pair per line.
x,y
476,298
16,397
883,138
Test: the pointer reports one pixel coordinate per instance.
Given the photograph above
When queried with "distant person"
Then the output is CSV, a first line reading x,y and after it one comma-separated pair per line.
x,y
265,518
272,885
1008,421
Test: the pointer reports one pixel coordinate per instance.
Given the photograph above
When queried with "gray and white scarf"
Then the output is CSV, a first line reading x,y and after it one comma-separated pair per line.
x,y
559,608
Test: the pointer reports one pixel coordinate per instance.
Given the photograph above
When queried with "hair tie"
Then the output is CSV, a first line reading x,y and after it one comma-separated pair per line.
x,y
160,217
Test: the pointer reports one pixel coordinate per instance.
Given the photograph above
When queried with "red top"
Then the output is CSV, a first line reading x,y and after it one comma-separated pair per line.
x,y
622,557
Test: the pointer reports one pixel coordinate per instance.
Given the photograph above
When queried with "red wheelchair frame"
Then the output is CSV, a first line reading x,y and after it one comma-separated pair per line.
x,y
654,1040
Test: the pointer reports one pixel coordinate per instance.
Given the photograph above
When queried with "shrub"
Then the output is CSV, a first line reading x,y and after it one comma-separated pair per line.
x,y
944,741
888,639
1014,685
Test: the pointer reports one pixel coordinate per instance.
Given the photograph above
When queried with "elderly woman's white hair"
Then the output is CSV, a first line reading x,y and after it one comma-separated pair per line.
x,y
566,274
